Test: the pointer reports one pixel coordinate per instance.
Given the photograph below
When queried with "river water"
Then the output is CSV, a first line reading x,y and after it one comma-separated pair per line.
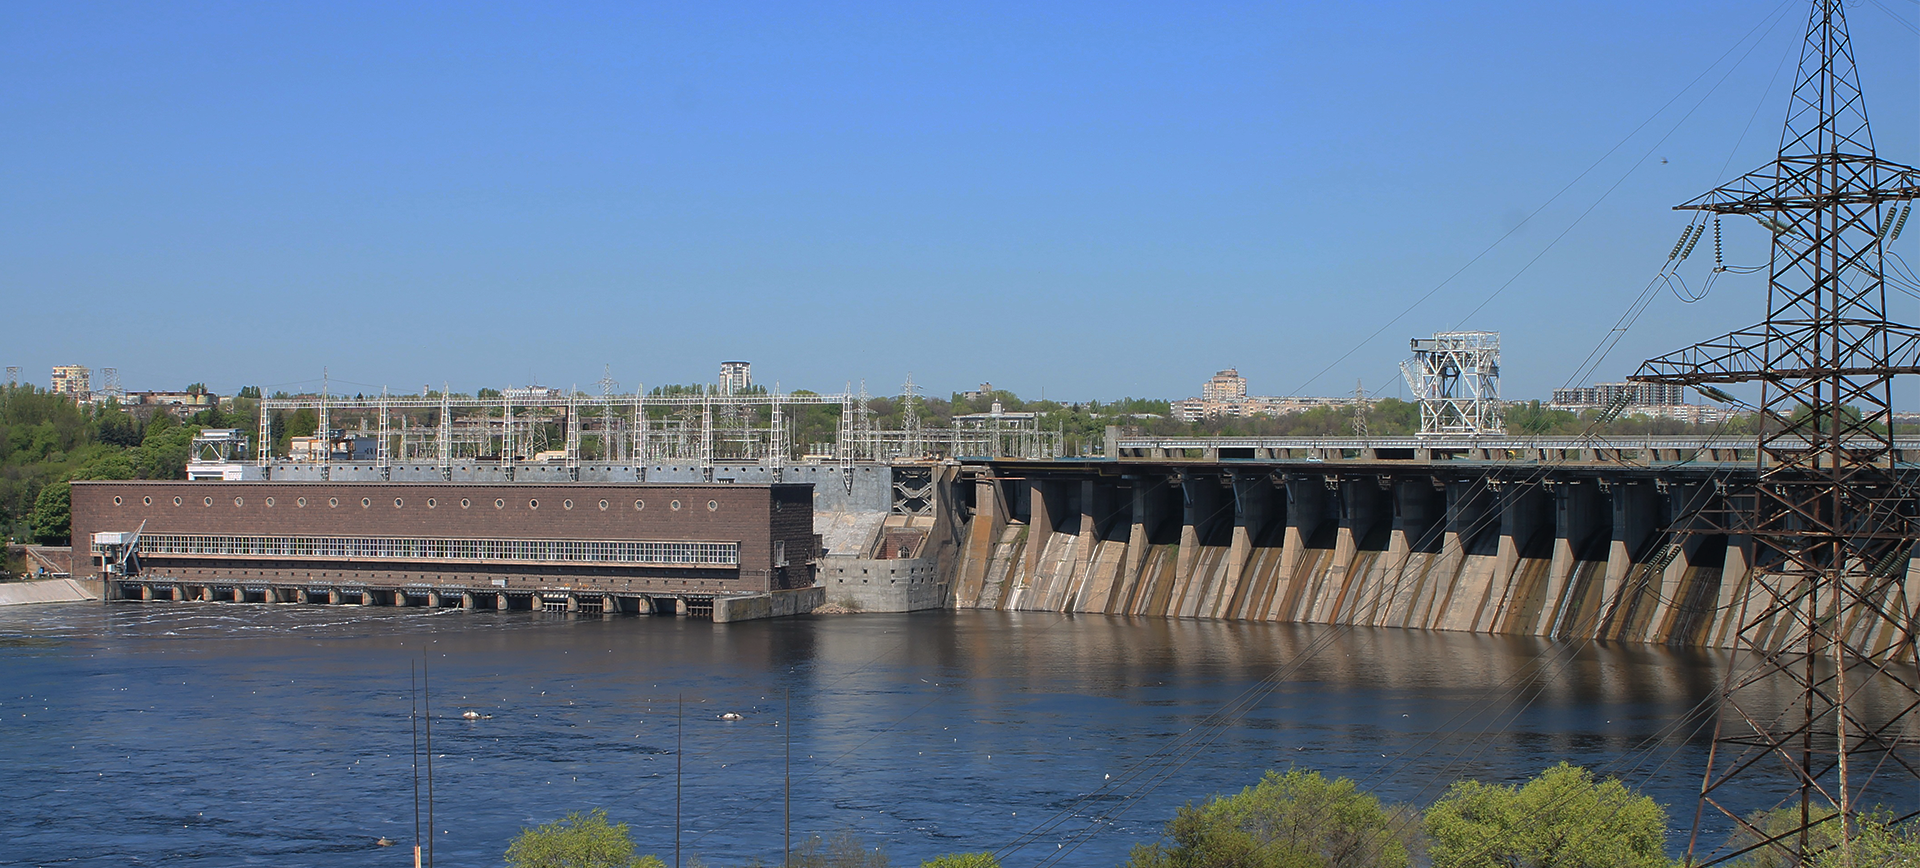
x,y
225,734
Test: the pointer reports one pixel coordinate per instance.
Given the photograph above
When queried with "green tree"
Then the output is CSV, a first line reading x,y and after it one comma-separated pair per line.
x,y
1562,818
1294,820
1878,842
578,840
843,850
962,860
163,454
52,519
107,465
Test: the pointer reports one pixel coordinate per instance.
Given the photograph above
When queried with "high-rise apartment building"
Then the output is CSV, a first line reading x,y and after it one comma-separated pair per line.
x,y
73,380
1226,385
735,377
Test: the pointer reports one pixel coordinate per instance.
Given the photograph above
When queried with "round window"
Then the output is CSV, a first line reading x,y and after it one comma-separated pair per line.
x,y
146,501
464,503
713,506
269,501
603,506
397,503
333,501
176,501
300,502
566,504
499,503
675,506
207,501
431,503
533,504
639,504
239,501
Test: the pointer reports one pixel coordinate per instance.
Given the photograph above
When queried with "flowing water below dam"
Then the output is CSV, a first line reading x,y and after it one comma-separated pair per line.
x,y
256,734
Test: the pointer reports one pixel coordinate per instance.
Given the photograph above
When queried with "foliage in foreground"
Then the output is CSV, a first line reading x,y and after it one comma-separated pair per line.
x,y
1294,820
578,841
1878,841
962,860
1563,818
843,850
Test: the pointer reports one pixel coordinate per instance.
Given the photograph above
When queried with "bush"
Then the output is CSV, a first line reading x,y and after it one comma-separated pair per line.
x,y
1562,818
843,850
962,860
1294,820
1877,841
578,841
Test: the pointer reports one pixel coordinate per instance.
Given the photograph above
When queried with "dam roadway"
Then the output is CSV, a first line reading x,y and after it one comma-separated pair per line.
x,y
1567,538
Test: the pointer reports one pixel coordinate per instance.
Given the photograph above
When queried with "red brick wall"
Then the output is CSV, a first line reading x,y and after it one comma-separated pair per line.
x,y
707,513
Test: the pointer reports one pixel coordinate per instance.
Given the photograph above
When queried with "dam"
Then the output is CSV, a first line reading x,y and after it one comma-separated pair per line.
x,y
1563,538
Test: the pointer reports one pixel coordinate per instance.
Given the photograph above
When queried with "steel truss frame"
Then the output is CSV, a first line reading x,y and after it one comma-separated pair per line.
x,y
1829,618
702,428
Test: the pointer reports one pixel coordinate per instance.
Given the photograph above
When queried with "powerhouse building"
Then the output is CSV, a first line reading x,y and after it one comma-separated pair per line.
x,y
631,547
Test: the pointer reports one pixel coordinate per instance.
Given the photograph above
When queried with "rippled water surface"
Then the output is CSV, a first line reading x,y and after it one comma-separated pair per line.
x,y
224,734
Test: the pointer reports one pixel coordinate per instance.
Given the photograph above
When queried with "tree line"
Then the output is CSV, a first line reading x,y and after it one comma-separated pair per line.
x,y
1564,817
48,440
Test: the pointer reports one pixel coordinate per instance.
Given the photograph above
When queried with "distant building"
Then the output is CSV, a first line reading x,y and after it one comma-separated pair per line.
x,y
174,402
985,391
1225,395
72,380
735,377
1226,385
1633,395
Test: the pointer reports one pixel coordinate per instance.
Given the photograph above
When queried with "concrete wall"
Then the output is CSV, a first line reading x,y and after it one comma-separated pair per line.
x,y
870,585
779,604
48,591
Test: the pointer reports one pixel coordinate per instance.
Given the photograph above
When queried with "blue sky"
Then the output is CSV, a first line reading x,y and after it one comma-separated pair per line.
x,y
1094,200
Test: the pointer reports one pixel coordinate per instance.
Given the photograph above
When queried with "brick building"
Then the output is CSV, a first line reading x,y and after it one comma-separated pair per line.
x,y
503,544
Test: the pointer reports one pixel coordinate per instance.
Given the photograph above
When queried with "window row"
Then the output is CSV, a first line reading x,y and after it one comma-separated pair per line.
x,y
546,551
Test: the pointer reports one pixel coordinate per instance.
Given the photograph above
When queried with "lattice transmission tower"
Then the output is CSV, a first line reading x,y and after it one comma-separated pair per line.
x,y
1823,688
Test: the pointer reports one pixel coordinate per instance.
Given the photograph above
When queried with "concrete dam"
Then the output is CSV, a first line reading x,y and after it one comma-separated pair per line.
x,y
1571,541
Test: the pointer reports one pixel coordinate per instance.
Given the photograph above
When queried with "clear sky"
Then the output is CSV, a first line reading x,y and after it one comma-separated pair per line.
x,y
1094,200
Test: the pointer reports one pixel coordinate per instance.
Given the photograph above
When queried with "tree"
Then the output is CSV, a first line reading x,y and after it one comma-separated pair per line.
x,y
1878,841
962,860
843,850
578,841
1294,820
111,465
51,521
1562,818
163,454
